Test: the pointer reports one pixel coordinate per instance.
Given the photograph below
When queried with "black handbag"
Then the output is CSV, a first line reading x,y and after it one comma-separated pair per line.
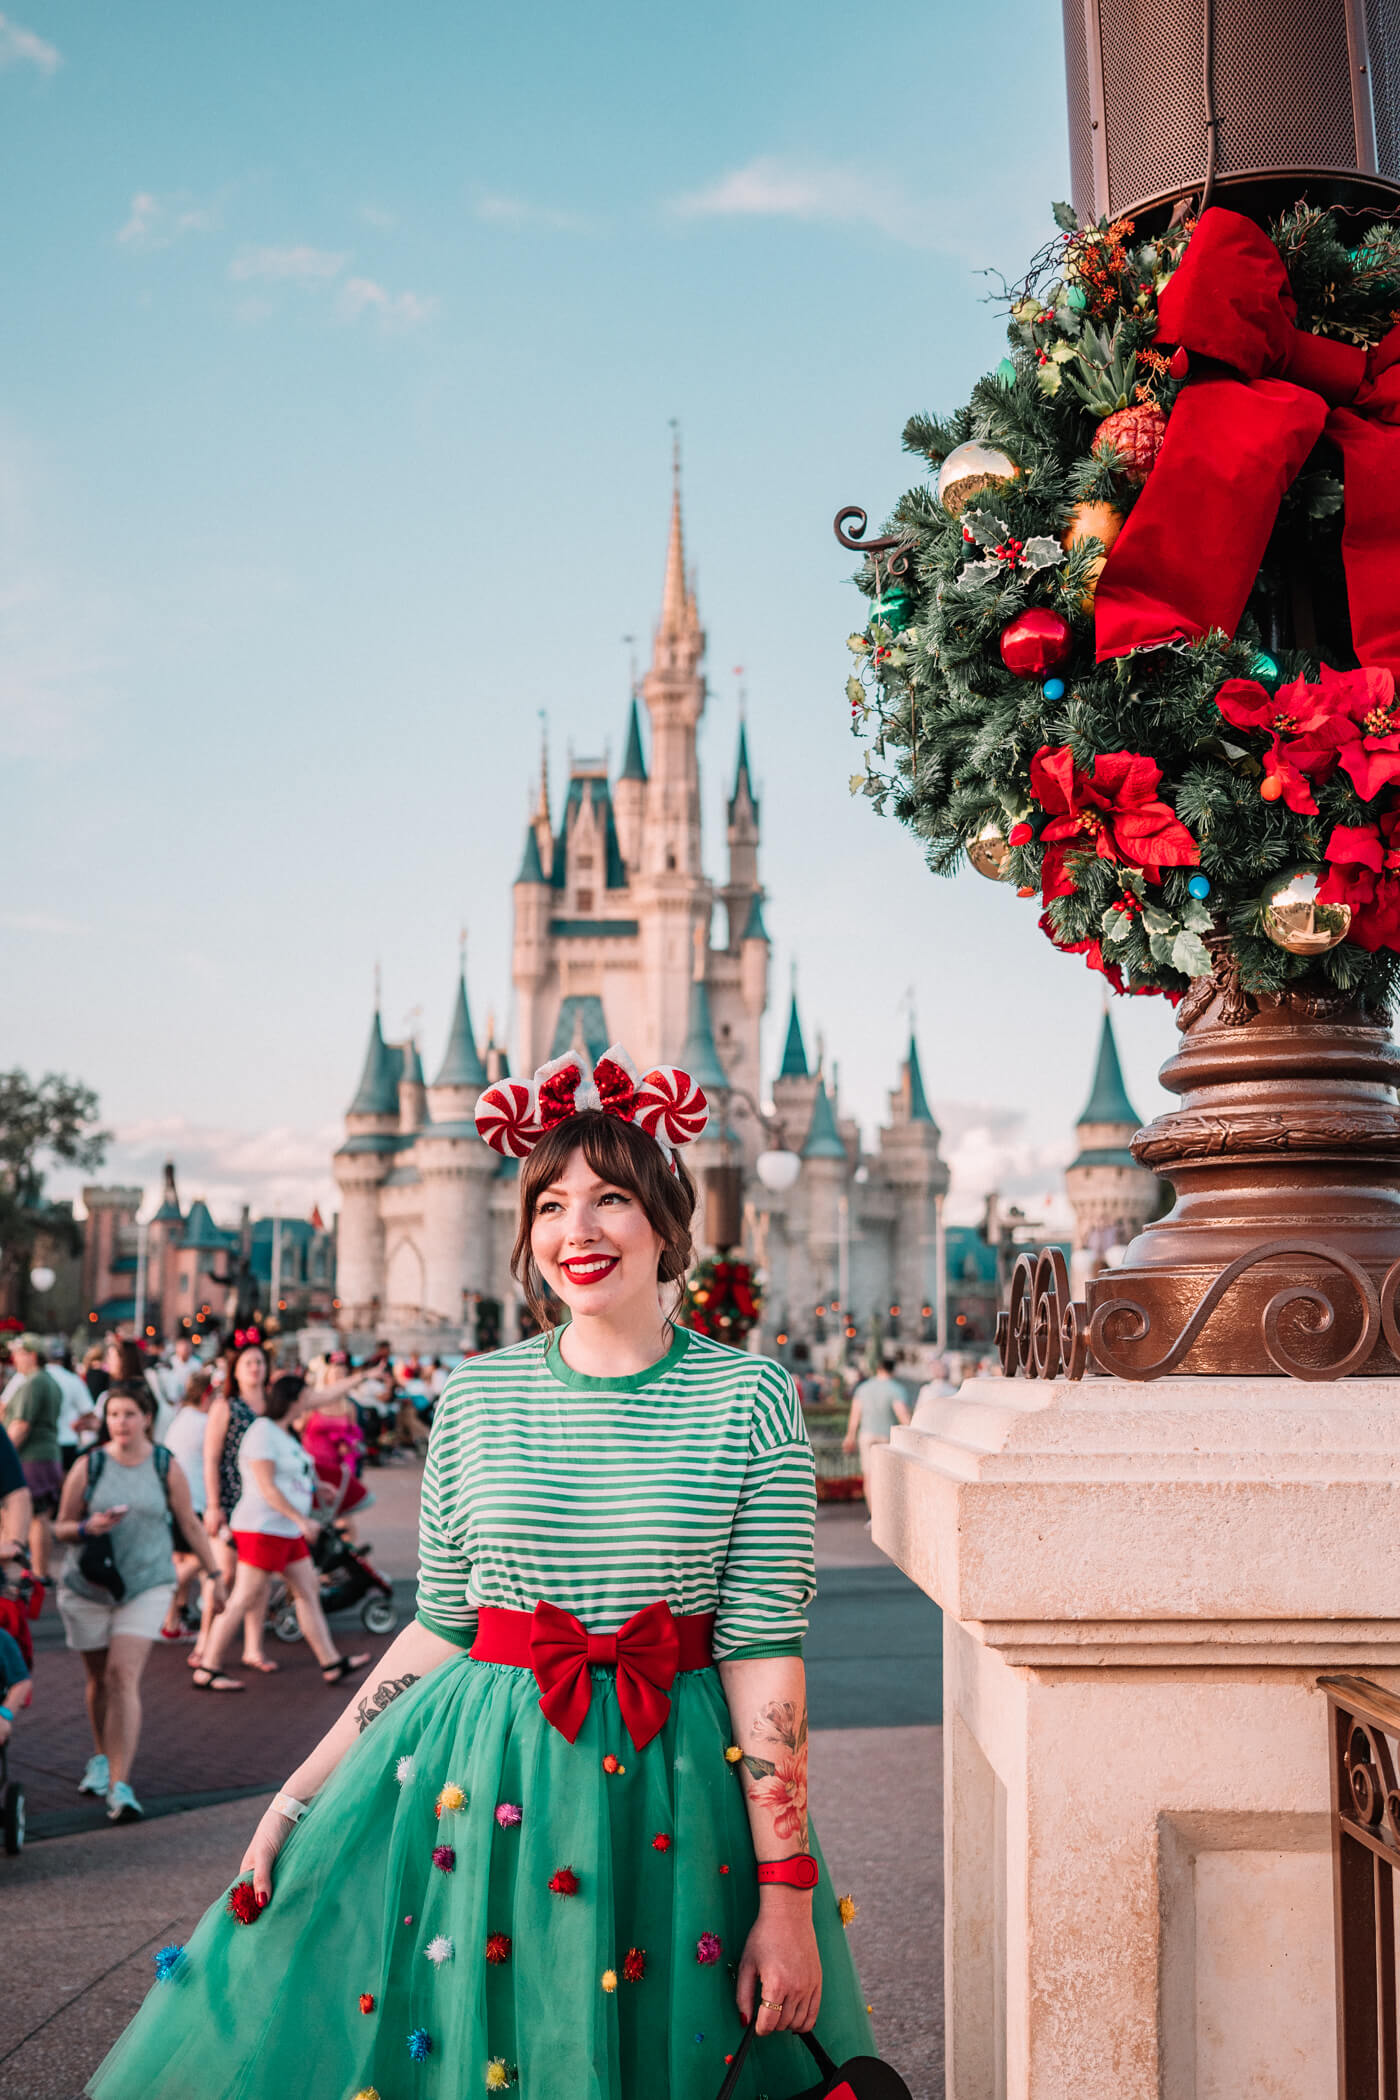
x,y
97,1564
859,2078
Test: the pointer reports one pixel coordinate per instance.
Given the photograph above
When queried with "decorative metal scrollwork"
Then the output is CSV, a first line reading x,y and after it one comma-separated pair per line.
x,y
895,545
1134,1322
1041,1333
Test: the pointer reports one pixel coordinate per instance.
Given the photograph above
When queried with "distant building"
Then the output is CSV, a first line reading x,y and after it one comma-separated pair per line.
x,y
1112,1197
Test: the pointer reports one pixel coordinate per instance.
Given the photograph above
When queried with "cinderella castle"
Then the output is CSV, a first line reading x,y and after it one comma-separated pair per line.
x,y
616,940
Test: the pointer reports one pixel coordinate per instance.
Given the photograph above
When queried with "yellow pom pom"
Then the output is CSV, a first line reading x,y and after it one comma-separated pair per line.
x,y
733,1754
368,2092
847,1908
609,1979
451,1798
497,2076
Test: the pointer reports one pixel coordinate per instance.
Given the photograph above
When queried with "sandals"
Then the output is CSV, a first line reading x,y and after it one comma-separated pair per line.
x,y
268,1669
337,1672
205,1680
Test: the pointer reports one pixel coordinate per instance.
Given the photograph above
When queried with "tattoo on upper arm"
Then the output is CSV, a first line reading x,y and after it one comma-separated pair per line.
x,y
383,1695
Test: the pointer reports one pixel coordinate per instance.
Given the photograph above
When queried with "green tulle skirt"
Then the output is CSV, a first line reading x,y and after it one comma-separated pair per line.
x,y
369,1970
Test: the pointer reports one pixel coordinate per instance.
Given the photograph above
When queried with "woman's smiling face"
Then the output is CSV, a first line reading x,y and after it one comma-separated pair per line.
x,y
594,1244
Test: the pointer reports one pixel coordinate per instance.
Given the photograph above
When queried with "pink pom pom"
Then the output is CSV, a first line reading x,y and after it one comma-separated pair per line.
x,y
671,1106
507,1814
507,1115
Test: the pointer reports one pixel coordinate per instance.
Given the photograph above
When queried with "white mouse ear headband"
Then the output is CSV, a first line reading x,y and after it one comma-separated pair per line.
x,y
514,1114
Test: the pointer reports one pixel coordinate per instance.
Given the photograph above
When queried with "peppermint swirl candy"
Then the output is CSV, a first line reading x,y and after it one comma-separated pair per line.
x,y
507,1115
671,1106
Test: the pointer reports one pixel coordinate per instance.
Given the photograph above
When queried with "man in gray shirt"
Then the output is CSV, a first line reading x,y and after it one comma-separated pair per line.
x,y
876,1405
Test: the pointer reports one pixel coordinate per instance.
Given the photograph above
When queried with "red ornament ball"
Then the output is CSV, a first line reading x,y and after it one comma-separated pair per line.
x,y
498,1947
1036,642
243,1903
565,1882
366,2001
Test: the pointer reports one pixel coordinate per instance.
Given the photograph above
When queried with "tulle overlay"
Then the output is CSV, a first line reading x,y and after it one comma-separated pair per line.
x,y
252,2011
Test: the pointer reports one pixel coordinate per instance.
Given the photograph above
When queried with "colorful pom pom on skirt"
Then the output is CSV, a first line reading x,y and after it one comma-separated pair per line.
x,y
565,1952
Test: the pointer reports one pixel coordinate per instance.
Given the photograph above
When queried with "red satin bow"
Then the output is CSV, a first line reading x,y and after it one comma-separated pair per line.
x,y
646,1649
1260,395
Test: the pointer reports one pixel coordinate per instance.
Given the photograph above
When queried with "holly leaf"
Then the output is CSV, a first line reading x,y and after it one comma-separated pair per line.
x,y
1040,552
1156,920
1321,495
1117,925
857,783
857,644
1161,945
1049,378
855,691
1191,956
1195,917
985,529
1066,218
975,573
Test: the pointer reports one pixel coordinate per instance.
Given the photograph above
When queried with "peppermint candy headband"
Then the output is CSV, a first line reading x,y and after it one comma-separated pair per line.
x,y
514,1114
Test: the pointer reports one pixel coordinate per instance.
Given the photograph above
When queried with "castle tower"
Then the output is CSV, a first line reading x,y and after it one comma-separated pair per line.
x,y
456,1171
413,1094
795,1088
534,903
361,1164
913,1165
741,890
673,896
630,794
1112,1197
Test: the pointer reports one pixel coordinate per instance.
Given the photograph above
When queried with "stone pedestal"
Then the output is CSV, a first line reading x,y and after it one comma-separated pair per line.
x,y
1141,1585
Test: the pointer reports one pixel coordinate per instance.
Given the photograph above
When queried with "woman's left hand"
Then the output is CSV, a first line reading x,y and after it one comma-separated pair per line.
x,y
781,1950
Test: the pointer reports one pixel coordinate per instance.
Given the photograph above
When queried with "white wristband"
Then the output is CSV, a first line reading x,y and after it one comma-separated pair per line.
x,y
287,1805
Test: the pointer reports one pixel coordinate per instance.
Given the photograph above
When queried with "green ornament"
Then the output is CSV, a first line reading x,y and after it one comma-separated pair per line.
x,y
1006,372
893,607
1077,297
1265,670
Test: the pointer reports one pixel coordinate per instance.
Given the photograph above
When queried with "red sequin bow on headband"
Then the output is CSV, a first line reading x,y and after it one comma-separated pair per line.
x,y
515,1114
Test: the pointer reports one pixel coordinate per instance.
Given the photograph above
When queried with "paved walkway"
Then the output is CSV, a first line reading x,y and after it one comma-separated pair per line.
x,y
88,1904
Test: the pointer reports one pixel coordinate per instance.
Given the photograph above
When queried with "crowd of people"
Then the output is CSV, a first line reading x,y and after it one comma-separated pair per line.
x,y
158,1497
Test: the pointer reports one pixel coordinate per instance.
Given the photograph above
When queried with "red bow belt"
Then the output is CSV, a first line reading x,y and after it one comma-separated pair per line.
x,y
647,1651
1260,395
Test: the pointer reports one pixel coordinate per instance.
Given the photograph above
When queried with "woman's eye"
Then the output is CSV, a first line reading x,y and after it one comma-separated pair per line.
x,y
613,1196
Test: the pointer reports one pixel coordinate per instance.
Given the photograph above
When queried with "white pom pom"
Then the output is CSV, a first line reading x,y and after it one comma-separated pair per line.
x,y
439,1950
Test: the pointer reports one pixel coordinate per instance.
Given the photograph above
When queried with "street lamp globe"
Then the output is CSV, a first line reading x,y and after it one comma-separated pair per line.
x,y
43,1279
778,1170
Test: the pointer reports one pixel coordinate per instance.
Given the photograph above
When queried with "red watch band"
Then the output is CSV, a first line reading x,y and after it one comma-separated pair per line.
x,y
799,1872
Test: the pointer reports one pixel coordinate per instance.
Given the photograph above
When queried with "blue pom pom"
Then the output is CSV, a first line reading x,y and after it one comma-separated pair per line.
x,y
699,2037
1054,689
167,1961
1199,886
420,2044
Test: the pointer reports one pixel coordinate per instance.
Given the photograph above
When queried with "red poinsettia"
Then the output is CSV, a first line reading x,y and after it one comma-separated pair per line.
x,y
1363,871
1113,812
1350,719
1092,951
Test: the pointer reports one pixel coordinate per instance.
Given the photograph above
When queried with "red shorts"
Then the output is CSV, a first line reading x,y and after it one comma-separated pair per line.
x,y
264,1549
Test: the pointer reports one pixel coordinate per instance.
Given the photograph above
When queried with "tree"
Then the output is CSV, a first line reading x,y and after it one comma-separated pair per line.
x,y
54,1118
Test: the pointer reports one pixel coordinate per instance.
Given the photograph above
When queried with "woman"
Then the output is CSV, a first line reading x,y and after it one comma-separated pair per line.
x,y
547,1873
272,1526
330,1431
127,1492
184,1439
232,1412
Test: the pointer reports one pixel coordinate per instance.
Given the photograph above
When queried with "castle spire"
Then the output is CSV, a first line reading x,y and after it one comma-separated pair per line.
x,y
1108,1097
461,1064
634,765
919,1111
794,1064
676,607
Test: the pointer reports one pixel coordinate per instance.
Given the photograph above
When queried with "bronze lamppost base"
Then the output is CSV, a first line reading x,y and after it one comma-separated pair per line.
x,y
1282,1252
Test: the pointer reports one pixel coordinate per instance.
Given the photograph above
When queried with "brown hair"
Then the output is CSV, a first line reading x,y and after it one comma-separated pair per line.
x,y
620,1153
197,1386
133,1361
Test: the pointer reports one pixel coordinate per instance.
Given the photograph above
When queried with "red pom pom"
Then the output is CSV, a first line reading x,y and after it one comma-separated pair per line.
x,y
498,1947
366,2001
661,1843
1036,642
1019,835
610,1763
243,1903
565,1882
444,1857
634,1965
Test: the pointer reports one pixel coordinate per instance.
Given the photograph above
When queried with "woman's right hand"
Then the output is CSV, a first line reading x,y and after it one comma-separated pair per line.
x,y
214,1521
261,1856
310,1529
104,1519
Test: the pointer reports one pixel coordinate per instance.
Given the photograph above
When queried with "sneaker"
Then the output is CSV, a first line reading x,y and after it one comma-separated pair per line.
x,y
122,1805
96,1778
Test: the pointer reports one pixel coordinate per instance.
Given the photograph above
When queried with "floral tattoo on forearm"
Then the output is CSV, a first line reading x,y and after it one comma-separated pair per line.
x,y
374,1703
781,1780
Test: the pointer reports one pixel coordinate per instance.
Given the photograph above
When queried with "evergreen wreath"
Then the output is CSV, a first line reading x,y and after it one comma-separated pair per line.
x,y
1149,800
723,1299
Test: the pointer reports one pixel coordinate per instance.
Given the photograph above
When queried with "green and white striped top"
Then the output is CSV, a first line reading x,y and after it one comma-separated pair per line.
x,y
691,1481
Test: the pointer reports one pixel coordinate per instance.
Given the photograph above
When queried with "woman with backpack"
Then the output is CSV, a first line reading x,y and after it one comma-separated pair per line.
x,y
120,1502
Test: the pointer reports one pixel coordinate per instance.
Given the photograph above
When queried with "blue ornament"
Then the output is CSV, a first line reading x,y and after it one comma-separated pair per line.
x,y
1006,372
1199,886
1054,689
1265,670
420,2044
167,1961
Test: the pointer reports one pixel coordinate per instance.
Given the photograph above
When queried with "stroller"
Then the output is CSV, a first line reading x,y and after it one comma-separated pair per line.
x,y
21,1600
348,1576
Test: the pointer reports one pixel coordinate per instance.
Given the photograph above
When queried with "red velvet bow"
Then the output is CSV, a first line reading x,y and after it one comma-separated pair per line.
x,y
1261,392
646,1649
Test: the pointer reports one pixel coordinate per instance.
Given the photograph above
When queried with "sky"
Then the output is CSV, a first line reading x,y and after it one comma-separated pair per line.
x,y
341,348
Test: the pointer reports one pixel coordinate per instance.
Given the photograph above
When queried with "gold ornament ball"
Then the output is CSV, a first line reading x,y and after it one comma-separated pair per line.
x,y
969,471
1295,921
1092,521
990,851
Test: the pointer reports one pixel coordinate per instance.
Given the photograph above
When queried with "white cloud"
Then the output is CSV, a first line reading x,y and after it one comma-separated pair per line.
x,y
156,222
375,215
278,1172
296,265
21,47
495,209
361,295
830,194
987,1150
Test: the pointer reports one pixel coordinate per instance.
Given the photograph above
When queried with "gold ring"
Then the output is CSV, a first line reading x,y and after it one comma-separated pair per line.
x,y
770,2001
